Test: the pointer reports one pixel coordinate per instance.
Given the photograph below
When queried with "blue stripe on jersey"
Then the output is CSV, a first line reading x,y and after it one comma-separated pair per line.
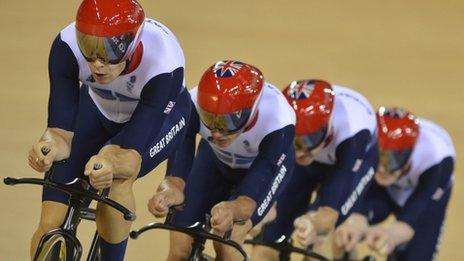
x,y
244,157
109,95
226,152
105,94
244,161
224,157
124,97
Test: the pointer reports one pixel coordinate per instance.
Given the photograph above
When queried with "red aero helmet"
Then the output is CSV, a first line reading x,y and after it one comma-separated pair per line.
x,y
109,30
398,129
312,101
228,94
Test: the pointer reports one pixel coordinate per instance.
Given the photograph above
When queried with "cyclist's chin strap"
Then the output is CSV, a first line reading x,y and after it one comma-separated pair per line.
x,y
252,122
134,61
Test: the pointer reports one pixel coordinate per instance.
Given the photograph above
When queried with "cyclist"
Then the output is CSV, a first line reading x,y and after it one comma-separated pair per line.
x,y
244,158
117,100
414,182
336,154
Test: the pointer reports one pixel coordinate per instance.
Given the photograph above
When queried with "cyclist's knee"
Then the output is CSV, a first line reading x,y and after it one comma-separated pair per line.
x,y
52,216
240,231
179,251
179,247
264,253
121,187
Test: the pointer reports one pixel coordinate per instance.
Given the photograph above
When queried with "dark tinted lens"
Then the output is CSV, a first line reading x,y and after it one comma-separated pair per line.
x,y
311,141
226,123
393,160
116,47
110,50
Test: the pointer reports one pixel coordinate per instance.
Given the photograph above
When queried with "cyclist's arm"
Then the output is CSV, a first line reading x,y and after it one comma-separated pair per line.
x,y
339,185
180,163
63,72
161,90
170,191
125,163
125,149
433,180
263,171
371,195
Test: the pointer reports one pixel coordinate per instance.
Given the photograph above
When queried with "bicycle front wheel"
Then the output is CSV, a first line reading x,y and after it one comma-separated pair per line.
x,y
54,249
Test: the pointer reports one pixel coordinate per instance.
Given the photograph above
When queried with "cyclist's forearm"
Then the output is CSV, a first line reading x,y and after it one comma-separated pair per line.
x,y
324,220
126,162
243,208
402,232
171,182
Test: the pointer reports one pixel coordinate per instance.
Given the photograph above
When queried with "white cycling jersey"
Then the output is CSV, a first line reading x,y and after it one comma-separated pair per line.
x,y
274,113
118,99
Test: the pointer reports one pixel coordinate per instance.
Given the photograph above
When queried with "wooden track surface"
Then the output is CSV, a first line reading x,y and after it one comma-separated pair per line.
x,y
407,53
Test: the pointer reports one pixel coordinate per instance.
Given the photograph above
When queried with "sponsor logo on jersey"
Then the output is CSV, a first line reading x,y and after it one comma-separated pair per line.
x,y
169,107
130,83
367,107
438,194
246,145
281,159
227,68
153,22
357,165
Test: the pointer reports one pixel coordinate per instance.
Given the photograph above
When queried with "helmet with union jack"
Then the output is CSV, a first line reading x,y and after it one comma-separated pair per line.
x,y
398,130
312,101
109,30
228,95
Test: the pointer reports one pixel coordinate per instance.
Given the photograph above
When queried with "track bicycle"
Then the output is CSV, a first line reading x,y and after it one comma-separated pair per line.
x,y
62,244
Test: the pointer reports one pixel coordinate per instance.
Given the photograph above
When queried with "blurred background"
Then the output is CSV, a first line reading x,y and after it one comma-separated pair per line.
x,y
404,53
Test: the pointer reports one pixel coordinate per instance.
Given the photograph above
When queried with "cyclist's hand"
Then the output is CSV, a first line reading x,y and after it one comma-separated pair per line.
x,y
41,155
159,204
384,239
380,240
167,195
305,232
348,234
100,172
222,217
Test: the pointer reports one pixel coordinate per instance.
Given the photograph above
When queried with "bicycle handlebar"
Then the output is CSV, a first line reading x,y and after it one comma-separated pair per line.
x,y
198,230
346,257
194,231
286,247
77,187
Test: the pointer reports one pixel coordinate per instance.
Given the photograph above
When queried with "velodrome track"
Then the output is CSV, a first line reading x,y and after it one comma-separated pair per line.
x,y
408,53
